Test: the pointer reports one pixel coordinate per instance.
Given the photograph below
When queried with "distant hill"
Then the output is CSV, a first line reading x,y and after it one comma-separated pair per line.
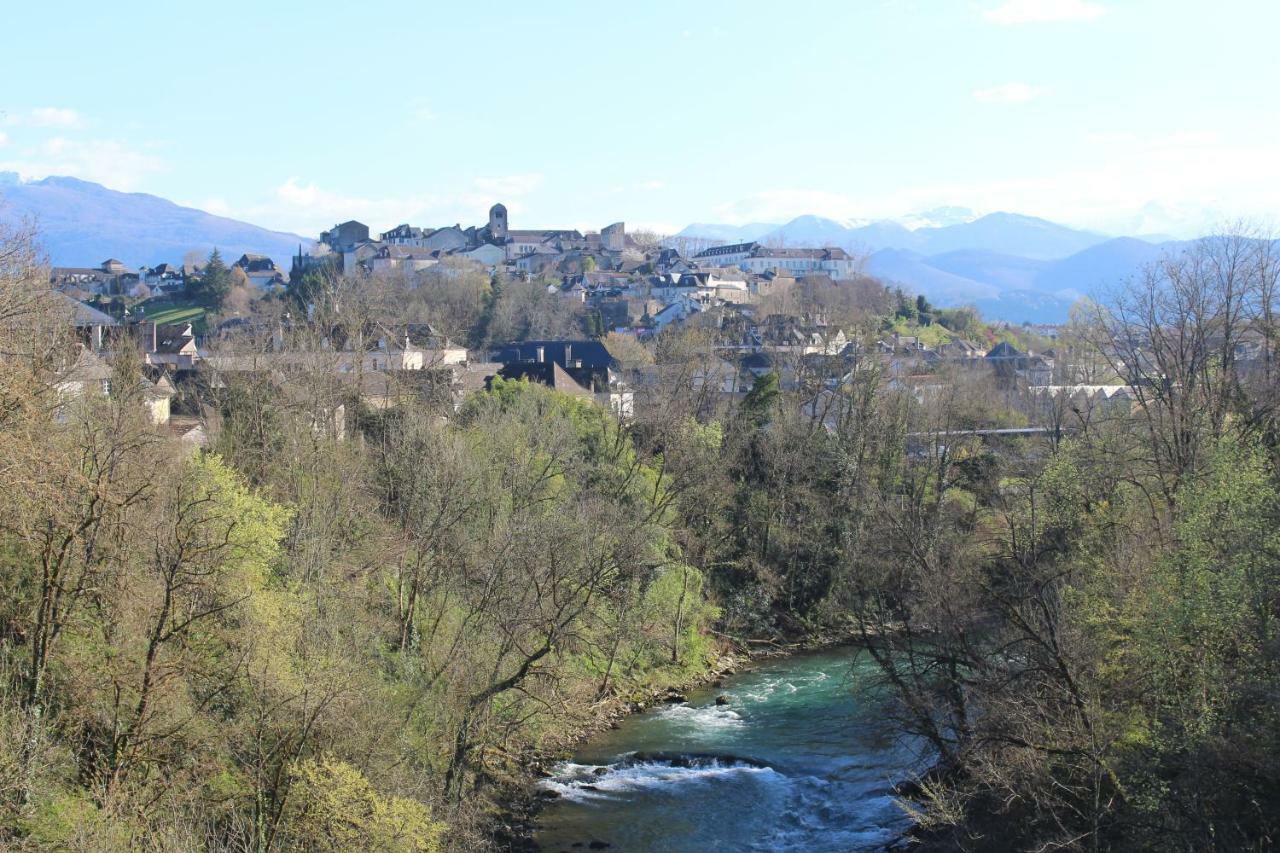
x,y
1012,288
1103,266
1007,272
914,270
83,223
1010,234
1013,267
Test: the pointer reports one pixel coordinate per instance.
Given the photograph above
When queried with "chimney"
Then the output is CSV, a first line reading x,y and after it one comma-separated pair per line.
x,y
154,336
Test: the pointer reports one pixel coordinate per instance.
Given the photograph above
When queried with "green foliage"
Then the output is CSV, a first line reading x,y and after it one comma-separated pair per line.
x,y
1208,615
334,807
759,404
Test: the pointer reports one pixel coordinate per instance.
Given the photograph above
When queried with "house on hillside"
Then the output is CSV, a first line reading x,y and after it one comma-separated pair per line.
x,y
88,376
960,349
260,270
1009,363
345,236
486,253
587,363
170,346
109,277
398,257
546,373
95,329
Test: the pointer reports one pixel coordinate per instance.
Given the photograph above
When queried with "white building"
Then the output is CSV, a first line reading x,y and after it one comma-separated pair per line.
x,y
757,258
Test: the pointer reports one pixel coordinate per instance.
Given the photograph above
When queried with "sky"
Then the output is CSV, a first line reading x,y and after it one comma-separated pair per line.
x,y
1125,116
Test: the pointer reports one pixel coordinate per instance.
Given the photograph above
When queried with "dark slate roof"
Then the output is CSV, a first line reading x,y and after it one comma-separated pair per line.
x,y
592,354
1005,350
84,315
548,373
829,253
731,249
172,339
405,230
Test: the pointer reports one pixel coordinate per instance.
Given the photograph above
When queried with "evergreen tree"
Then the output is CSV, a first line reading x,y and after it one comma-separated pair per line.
x,y
214,283
758,405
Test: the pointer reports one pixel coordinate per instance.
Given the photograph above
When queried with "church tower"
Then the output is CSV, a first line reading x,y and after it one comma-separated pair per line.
x,y
498,223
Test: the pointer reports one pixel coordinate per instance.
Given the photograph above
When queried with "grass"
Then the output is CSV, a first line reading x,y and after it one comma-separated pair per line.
x,y
932,336
166,311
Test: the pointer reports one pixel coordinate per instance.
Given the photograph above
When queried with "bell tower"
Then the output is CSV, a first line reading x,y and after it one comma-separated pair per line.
x,y
498,223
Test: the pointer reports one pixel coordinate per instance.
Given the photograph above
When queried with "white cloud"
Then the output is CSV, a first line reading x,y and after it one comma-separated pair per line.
x,y
54,117
782,205
421,111
509,185
1182,183
305,207
647,186
1013,12
216,206
1009,93
4,138
103,161
654,225
1183,172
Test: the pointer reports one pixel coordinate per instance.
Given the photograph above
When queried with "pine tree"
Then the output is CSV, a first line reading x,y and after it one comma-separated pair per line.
x,y
214,283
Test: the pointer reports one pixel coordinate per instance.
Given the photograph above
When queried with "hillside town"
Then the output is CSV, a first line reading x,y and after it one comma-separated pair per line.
x,y
767,310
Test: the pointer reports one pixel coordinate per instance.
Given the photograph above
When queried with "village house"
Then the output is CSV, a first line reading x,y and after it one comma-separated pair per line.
x,y
1008,362
109,277
401,257
88,375
345,236
960,349
95,329
758,258
584,362
261,271
172,347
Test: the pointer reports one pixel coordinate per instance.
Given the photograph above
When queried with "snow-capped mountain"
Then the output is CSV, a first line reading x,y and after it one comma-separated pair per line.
x,y
938,217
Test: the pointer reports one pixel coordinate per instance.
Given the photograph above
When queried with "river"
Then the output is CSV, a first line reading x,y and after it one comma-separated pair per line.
x,y
799,758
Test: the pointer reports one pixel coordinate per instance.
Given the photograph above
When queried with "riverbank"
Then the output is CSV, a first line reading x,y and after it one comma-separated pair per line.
x,y
524,800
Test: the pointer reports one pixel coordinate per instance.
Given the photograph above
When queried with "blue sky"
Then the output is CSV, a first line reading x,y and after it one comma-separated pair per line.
x,y
1122,115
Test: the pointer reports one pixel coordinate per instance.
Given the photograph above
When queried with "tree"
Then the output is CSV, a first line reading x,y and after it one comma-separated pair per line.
x,y
924,310
627,349
758,405
336,808
214,283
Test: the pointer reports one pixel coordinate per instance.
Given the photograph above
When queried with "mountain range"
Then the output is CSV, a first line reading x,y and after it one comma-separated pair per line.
x,y
1009,266
81,224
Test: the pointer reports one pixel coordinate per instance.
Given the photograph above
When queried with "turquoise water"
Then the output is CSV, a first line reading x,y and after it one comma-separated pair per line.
x,y
799,759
